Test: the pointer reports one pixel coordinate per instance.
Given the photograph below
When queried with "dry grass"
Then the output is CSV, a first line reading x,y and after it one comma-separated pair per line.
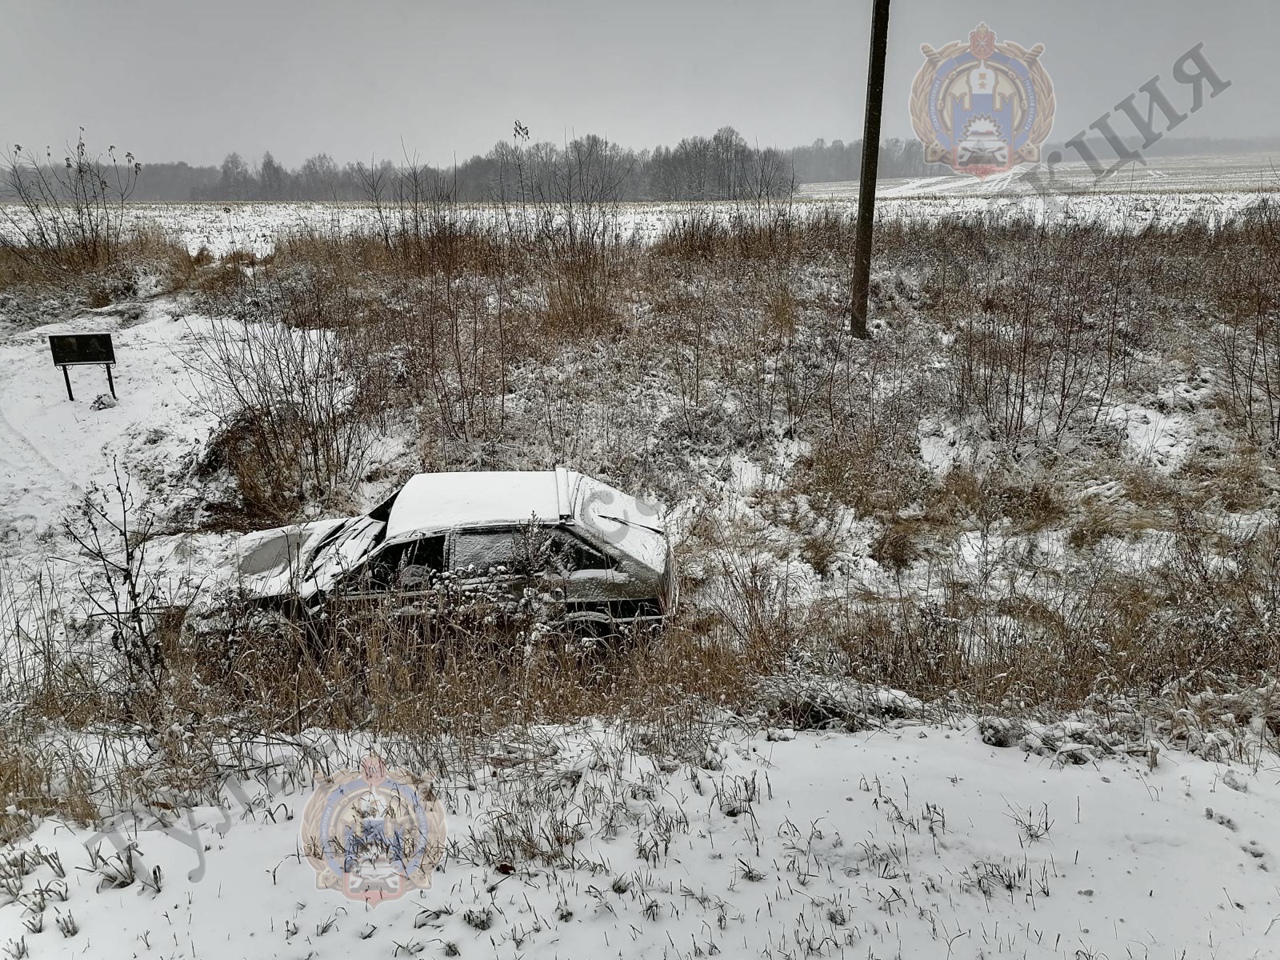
x,y
33,786
1238,480
1182,626
146,260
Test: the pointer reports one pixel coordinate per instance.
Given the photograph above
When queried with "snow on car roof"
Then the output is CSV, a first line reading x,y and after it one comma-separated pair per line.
x,y
438,501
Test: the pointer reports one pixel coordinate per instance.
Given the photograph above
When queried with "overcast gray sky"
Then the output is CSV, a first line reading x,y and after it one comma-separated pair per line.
x,y
169,79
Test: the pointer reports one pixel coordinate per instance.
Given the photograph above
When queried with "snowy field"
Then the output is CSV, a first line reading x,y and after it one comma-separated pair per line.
x,y
1166,192
924,834
1160,175
221,228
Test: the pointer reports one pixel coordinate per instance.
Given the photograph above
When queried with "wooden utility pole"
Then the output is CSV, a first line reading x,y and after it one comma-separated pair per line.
x,y
870,162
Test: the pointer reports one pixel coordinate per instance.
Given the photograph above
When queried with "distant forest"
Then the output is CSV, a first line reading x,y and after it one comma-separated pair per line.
x,y
721,167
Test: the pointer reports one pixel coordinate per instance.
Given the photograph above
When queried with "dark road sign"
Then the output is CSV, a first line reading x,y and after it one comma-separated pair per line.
x,y
72,349
78,349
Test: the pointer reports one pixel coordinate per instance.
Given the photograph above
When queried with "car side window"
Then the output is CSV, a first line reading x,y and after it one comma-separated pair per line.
x,y
483,550
526,550
408,565
422,559
427,552
570,553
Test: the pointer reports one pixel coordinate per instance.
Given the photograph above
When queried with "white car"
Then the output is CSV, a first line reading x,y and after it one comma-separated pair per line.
x,y
601,553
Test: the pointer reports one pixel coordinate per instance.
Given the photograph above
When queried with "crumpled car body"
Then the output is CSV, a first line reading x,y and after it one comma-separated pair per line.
x,y
602,554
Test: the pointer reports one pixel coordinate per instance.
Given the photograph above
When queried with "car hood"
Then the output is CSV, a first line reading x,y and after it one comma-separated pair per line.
x,y
303,559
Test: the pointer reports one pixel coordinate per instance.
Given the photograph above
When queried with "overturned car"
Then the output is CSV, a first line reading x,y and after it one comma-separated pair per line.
x,y
600,555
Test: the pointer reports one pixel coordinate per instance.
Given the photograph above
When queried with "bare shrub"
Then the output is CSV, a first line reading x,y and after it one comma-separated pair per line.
x,y
106,530
291,394
1248,341
1031,360
575,228
67,213
1250,352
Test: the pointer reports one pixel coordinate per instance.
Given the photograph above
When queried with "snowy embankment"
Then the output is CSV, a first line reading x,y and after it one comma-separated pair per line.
x,y
53,451
52,448
917,840
910,841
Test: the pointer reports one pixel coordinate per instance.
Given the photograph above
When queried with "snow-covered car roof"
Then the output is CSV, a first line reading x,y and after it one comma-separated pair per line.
x,y
431,502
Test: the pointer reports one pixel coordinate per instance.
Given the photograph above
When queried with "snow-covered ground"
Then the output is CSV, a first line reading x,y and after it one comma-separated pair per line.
x,y
51,448
916,840
54,451
1159,175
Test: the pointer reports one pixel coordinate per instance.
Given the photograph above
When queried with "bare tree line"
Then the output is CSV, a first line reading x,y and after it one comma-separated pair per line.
x,y
724,166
